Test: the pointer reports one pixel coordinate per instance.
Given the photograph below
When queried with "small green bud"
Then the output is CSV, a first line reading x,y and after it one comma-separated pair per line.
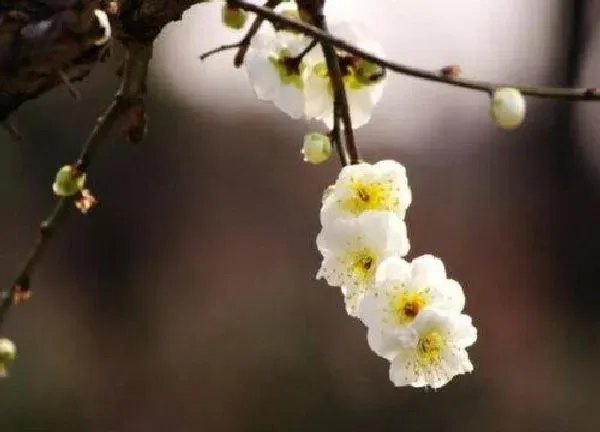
x,y
316,148
233,17
368,72
68,181
508,107
8,351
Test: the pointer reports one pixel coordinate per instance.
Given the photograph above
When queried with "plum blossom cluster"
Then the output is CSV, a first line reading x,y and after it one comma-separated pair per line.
x,y
289,70
412,311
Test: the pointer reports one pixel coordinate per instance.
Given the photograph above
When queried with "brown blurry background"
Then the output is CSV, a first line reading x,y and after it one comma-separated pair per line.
x,y
186,301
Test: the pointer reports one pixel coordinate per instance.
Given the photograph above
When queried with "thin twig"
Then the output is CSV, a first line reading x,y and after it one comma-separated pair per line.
x,y
563,93
313,43
219,49
244,44
334,136
133,87
12,129
66,80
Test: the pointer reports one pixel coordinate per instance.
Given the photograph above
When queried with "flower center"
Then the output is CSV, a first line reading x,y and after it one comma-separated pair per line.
x,y
406,306
370,196
429,348
358,72
289,69
363,264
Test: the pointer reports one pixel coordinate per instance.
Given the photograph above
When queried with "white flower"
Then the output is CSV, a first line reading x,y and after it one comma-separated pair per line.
x,y
363,80
275,70
353,248
364,187
433,349
402,291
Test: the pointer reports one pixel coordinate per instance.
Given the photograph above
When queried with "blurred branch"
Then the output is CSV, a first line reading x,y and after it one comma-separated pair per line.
x,y
131,92
564,93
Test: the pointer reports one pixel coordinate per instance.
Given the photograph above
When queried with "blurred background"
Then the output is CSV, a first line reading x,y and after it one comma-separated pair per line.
x,y
186,301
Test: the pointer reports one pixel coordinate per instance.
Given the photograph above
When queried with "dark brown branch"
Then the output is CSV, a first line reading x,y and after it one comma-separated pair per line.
x,y
570,94
336,139
219,49
341,109
133,87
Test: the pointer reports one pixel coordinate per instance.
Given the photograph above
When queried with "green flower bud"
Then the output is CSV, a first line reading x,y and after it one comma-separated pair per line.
x,y
68,181
316,148
8,351
507,107
233,17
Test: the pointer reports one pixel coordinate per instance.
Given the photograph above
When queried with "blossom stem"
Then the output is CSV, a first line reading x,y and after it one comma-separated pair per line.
x,y
244,44
563,93
306,50
219,49
334,136
133,87
341,109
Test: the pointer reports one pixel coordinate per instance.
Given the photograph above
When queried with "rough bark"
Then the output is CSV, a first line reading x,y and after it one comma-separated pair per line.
x,y
40,40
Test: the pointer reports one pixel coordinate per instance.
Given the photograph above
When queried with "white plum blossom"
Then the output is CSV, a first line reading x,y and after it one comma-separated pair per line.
x,y
353,248
363,80
401,292
274,66
365,187
432,350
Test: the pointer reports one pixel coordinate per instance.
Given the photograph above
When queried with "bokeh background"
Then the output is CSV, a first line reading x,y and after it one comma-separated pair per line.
x,y
186,301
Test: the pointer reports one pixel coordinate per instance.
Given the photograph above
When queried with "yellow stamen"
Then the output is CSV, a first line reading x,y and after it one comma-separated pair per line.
x,y
407,305
370,196
429,348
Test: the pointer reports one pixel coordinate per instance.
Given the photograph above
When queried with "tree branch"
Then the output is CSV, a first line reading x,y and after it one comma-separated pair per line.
x,y
132,90
244,44
341,109
563,93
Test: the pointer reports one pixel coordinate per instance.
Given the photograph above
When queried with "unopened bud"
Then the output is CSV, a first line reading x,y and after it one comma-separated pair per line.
x,y
233,17
507,107
451,71
68,181
8,350
85,201
316,148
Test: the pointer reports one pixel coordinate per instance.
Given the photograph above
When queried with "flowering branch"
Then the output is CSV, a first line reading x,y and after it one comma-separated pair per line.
x,y
564,93
131,92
